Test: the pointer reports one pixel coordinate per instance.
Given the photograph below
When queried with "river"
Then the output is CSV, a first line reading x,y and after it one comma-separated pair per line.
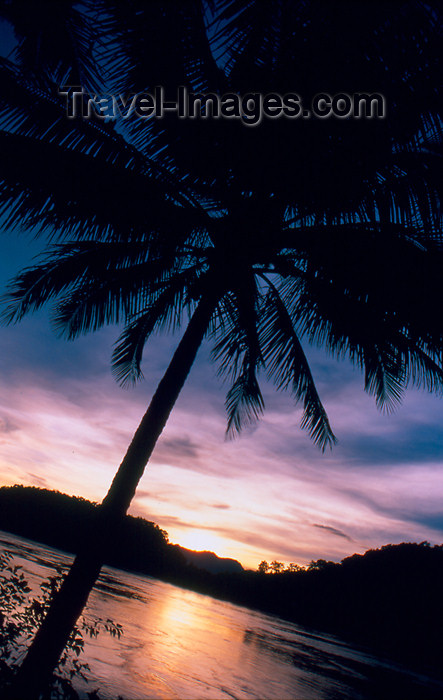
x,y
180,644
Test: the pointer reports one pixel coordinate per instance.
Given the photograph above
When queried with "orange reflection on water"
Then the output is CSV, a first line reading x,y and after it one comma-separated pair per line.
x,y
173,642
187,634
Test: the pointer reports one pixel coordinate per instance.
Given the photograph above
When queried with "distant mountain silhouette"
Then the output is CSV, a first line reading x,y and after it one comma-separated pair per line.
x,y
211,562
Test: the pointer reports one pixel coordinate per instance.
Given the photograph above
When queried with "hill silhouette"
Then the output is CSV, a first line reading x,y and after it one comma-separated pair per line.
x,y
388,599
209,561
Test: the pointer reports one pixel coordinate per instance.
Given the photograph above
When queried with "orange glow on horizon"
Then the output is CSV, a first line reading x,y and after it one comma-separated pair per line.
x,y
201,541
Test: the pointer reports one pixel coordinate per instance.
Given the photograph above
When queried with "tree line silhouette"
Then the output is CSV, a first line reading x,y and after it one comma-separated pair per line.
x,y
65,521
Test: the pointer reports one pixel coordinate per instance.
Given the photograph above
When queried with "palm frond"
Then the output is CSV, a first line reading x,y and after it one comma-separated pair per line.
x,y
58,39
238,355
70,174
288,366
384,376
370,298
96,283
166,310
244,400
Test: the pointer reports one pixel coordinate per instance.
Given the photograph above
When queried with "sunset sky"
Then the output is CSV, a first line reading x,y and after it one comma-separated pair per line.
x,y
65,424
269,494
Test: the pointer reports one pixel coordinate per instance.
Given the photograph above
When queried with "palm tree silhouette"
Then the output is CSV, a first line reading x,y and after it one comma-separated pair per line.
x,y
317,231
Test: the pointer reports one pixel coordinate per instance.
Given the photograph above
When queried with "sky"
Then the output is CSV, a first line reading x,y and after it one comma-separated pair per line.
x,y
269,494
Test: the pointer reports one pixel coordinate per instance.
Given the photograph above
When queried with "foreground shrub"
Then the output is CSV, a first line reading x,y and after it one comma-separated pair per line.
x,y
20,616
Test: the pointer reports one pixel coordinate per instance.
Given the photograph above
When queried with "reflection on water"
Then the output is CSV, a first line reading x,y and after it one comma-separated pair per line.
x,y
179,644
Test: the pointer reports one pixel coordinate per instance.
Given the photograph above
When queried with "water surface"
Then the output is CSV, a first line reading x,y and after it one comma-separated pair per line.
x,y
178,644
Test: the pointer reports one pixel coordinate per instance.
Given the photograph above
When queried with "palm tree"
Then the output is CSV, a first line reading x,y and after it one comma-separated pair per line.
x,y
322,231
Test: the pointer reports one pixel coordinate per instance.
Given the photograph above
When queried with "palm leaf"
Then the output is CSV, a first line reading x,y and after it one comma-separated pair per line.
x,y
287,365
166,310
244,400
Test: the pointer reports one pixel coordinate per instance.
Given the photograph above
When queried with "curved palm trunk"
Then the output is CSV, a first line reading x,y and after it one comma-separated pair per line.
x,y
67,605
